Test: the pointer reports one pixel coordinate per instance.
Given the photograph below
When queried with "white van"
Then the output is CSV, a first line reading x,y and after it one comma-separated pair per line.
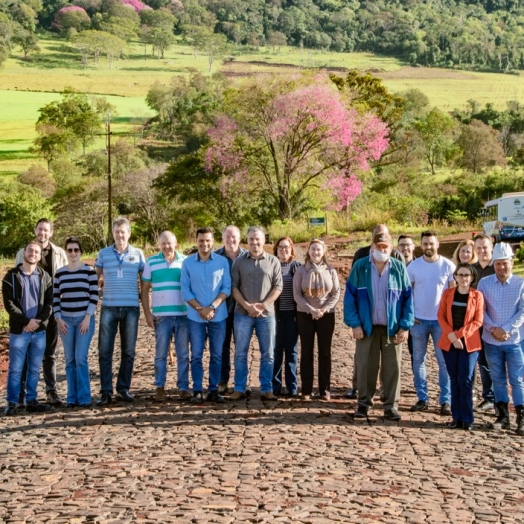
x,y
504,218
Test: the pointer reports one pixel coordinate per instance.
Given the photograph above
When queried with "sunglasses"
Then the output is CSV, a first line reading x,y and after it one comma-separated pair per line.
x,y
73,250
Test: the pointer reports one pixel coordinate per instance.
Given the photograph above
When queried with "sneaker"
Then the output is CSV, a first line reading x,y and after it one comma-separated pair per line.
x,y
305,397
352,393
421,405
268,395
215,396
223,387
198,398
160,395
184,395
33,406
485,406
445,409
361,412
237,395
392,414
10,409
53,399
326,396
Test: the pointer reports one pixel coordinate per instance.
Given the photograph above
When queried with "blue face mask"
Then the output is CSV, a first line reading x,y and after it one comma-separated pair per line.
x,y
379,256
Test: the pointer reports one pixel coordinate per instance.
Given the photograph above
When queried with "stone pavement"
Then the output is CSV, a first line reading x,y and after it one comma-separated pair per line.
x,y
252,461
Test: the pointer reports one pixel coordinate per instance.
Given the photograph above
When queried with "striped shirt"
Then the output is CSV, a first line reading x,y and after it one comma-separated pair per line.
x,y
285,301
120,272
75,292
165,285
504,307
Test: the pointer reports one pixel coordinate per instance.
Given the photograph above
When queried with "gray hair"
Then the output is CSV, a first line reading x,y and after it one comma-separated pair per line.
x,y
166,234
234,228
121,221
256,229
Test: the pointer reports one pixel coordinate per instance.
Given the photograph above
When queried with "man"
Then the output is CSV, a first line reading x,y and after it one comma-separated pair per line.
x,y
52,258
231,250
429,276
360,253
378,307
406,246
206,284
27,291
120,265
484,268
256,284
502,334
168,317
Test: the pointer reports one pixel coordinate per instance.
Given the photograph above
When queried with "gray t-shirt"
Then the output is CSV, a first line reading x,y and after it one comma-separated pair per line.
x,y
255,279
30,293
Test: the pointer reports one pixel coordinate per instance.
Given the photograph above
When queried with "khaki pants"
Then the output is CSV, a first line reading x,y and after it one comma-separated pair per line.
x,y
372,353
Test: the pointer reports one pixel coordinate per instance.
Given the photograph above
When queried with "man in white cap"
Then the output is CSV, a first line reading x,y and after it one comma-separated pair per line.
x,y
502,335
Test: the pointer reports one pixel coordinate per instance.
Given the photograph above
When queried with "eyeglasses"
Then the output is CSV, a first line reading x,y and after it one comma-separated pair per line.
x,y
406,245
282,248
73,250
463,275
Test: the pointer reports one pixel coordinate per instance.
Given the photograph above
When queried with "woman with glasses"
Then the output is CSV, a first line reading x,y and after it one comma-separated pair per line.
x,y
75,301
316,289
465,253
286,345
460,315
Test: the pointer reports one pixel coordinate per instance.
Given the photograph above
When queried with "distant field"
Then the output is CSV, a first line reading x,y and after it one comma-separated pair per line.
x,y
27,86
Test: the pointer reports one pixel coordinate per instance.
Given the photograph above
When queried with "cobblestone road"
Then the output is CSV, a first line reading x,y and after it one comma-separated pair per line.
x,y
255,461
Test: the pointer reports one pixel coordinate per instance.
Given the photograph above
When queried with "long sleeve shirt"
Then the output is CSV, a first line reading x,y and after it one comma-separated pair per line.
x,y
75,293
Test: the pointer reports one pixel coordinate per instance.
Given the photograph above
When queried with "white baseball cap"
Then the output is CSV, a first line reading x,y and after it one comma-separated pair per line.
x,y
502,251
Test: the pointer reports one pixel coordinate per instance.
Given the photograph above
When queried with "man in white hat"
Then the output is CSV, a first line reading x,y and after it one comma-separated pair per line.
x,y
502,335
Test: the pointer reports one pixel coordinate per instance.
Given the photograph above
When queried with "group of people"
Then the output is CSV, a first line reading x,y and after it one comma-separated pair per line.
x,y
473,308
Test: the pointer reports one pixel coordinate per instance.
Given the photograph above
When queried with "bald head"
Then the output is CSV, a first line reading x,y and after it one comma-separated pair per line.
x,y
231,241
167,244
380,229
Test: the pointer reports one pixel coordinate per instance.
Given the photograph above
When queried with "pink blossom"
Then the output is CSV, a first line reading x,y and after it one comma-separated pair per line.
x,y
137,5
70,8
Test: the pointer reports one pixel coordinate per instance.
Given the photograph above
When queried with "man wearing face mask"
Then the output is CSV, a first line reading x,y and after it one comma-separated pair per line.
x,y
378,307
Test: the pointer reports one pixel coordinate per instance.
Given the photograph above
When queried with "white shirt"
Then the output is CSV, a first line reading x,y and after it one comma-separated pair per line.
x,y
429,280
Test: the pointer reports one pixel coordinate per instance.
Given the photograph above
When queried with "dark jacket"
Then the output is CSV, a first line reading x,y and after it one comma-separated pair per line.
x,y
12,293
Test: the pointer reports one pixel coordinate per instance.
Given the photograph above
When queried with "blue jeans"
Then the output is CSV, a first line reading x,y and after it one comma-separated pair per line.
x,y
216,331
420,333
461,368
264,328
113,319
286,344
506,362
76,348
165,329
226,349
30,346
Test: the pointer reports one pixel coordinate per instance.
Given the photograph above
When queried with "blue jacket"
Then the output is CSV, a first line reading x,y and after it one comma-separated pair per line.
x,y
358,300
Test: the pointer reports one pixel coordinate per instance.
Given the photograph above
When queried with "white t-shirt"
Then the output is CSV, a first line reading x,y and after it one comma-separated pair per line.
x,y
429,280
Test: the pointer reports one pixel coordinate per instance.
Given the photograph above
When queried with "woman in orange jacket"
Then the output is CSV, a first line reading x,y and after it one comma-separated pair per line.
x,y
460,316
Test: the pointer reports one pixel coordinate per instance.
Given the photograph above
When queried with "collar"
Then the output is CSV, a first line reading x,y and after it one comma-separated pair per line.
x,y
211,257
177,256
263,255
507,282
118,252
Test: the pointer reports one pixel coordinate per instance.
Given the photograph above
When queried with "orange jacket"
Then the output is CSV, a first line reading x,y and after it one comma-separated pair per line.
x,y
472,321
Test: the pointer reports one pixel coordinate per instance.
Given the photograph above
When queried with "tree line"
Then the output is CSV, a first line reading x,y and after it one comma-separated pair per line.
x,y
476,34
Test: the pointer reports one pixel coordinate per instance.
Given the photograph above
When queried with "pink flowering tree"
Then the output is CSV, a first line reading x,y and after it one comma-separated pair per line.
x,y
287,139
71,17
137,5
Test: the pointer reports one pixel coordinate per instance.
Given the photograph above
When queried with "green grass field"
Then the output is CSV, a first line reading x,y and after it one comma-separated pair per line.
x,y
25,86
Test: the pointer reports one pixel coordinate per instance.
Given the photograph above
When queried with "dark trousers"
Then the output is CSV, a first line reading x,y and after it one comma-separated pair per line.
x,y
324,328
461,369
485,376
49,360
286,346
225,369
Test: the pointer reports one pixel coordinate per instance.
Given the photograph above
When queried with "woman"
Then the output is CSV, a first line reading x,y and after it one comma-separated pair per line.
x,y
316,289
75,300
460,315
465,253
286,319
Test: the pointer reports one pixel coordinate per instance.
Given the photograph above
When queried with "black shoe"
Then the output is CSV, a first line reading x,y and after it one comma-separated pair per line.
x,y
468,427
198,398
10,409
361,412
392,414
445,409
455,424
352,393
53,399
104,400
71,405
421,405
33,406
124,396
215,396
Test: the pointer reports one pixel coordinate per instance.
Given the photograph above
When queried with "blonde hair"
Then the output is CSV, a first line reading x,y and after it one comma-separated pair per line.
x,y
316,241
456,260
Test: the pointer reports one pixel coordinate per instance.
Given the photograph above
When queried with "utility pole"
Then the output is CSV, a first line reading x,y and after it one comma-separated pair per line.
x,y
109,188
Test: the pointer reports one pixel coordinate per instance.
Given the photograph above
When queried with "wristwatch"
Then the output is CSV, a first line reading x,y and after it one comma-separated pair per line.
x,y
212,307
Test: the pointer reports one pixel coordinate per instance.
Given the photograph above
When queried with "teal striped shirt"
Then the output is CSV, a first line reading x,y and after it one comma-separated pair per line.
x,y
165,284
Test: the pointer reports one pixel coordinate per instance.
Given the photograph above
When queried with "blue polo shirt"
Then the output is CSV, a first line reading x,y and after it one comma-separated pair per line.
x,y
204,281
120,272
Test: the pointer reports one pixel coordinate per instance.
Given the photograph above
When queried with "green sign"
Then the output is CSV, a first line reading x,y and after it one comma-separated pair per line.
x,y
321,221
